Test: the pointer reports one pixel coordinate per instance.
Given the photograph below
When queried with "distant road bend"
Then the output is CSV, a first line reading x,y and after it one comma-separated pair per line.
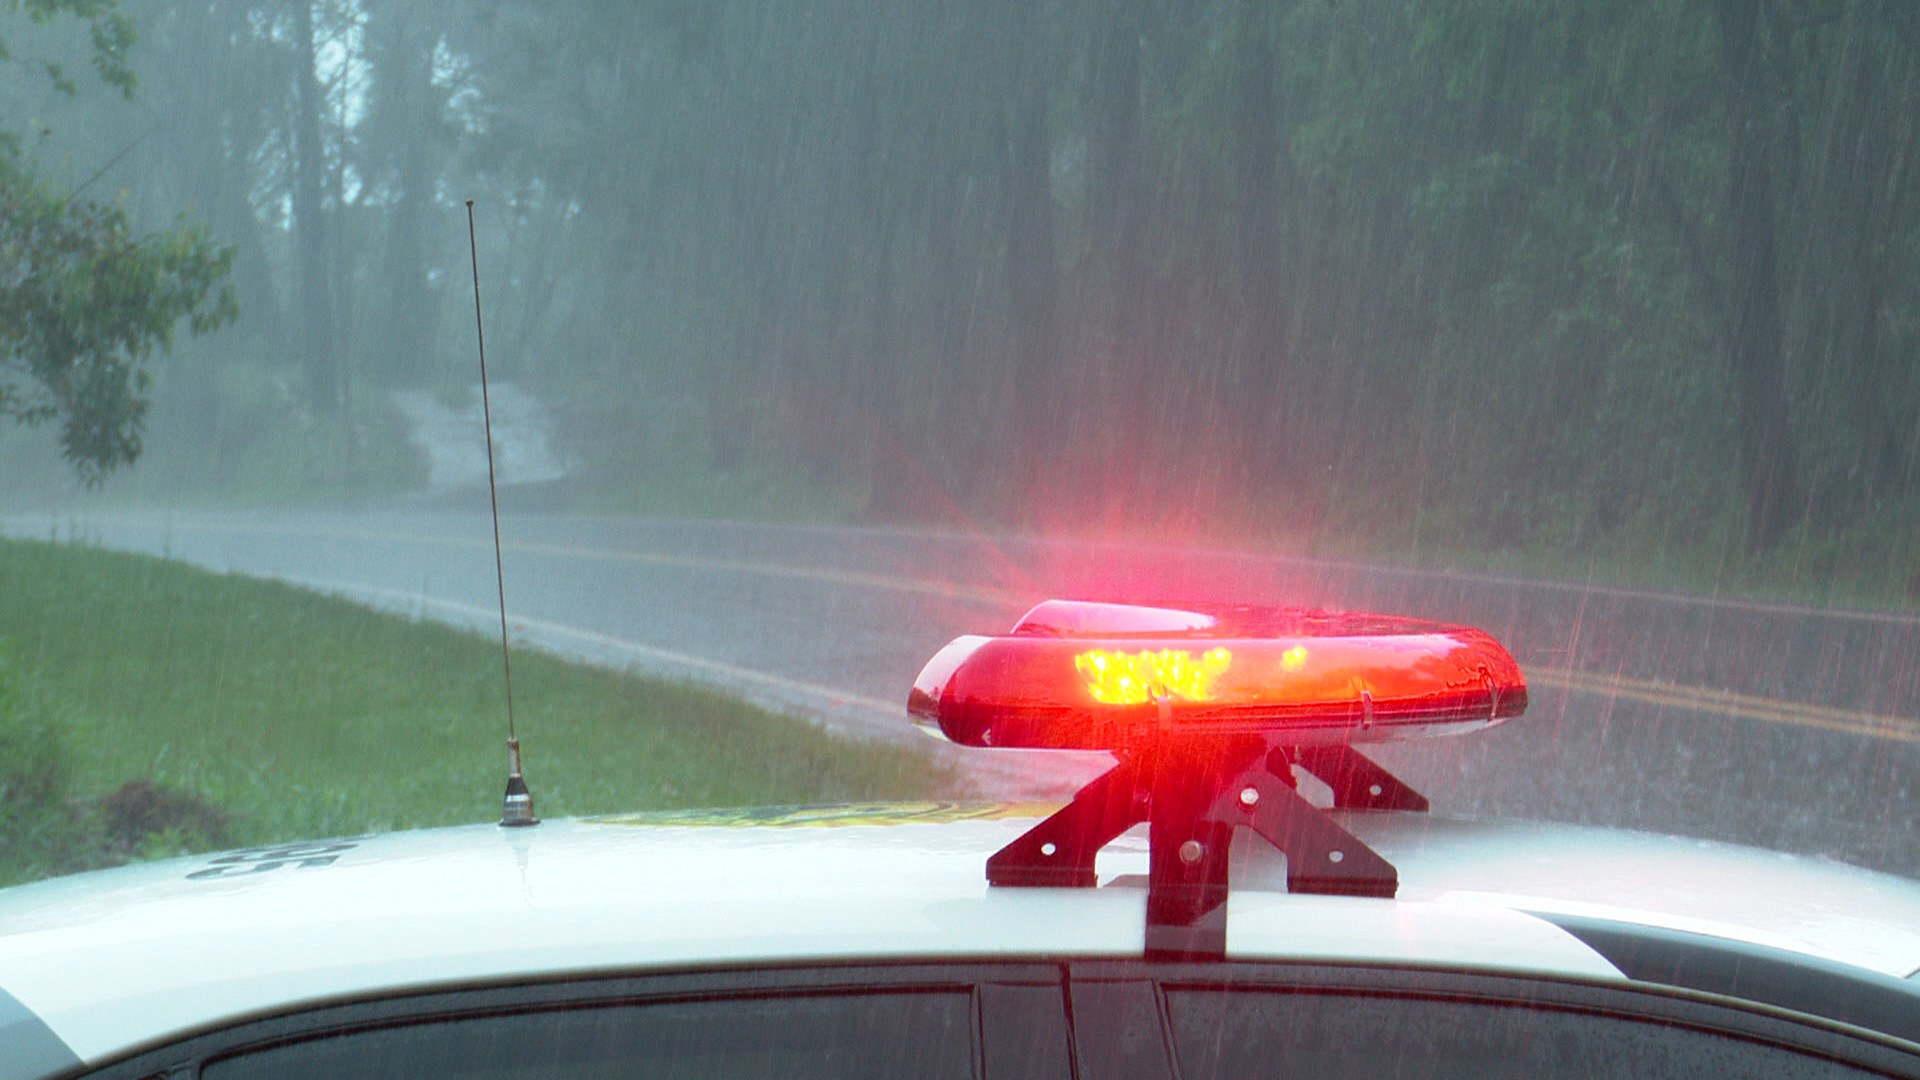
x,y
1775,724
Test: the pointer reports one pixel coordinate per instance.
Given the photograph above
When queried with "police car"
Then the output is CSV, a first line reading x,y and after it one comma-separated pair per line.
x,y
1245,893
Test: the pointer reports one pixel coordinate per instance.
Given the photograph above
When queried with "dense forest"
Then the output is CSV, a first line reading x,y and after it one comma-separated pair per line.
x,y
1629,277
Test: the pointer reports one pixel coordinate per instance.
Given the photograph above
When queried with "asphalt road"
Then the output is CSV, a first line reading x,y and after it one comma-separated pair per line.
x,y
1784,727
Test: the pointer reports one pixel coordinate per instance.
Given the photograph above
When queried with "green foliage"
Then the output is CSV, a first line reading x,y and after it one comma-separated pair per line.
x,y
758,488
109,30
254,443
1333,270
83,305
84,302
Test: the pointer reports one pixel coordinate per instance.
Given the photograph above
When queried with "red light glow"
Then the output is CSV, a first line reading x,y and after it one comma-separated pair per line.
x,y
1069,677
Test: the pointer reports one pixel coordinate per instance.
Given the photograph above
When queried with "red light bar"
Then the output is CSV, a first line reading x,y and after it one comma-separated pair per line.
x,y
1088,676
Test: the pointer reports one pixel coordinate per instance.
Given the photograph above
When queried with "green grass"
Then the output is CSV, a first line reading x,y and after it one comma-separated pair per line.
x,y
1873,564
300,715
759,489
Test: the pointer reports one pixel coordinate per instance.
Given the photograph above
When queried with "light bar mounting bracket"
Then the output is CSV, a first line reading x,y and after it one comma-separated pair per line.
x,y
1193,792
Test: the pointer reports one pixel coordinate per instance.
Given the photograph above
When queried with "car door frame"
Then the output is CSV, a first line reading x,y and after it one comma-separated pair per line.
x,y
1020,1024
1122,1028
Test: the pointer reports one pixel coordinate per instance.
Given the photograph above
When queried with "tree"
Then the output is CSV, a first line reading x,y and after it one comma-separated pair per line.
x,y
83,300
1768,460
402,146
312,232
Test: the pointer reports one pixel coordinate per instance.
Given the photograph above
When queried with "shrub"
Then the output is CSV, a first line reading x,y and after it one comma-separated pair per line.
x,y
143,819
46,830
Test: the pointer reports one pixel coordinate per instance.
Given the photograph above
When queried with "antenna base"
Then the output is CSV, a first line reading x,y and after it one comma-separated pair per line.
x,y
516,809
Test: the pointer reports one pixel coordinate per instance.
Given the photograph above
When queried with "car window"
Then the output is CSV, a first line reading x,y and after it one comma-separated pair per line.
x,y
1244,1034
843,1036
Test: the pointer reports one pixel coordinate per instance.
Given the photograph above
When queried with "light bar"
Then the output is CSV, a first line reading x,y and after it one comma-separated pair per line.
x,y
1090,676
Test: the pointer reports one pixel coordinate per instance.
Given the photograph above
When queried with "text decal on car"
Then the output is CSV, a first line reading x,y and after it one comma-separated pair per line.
x,y
260,860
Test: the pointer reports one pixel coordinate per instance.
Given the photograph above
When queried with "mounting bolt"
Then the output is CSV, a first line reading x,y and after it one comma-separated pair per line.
x,y
1249,797
1048,849
1336,856
1191,851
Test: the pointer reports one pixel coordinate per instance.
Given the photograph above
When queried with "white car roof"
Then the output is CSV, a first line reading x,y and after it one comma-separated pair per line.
x,y
114,960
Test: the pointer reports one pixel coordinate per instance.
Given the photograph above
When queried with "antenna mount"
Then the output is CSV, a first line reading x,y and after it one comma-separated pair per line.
x,y
517,808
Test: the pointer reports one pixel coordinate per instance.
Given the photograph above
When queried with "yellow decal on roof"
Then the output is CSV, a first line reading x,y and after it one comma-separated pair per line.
x,y
839,814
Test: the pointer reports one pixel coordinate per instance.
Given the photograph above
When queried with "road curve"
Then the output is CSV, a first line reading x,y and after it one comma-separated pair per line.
x,y
1776,725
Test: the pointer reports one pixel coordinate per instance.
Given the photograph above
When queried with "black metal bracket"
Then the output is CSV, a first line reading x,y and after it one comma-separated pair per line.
x,y
1193,792
1358,782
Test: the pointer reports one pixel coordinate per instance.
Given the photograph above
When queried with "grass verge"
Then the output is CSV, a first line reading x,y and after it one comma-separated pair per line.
x,y
155,708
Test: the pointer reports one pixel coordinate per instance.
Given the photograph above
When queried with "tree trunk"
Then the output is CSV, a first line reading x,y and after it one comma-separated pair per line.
x,y
1032,278
407,349
312,241
1261,359
1122,276
1871,170
1769,466
1111,195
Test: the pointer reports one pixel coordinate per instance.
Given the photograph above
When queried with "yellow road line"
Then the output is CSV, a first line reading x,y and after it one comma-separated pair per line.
x,y
1728,703
1693,698
942,590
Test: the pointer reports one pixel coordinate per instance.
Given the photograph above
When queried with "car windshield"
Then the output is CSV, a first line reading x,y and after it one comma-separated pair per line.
x,y
815,335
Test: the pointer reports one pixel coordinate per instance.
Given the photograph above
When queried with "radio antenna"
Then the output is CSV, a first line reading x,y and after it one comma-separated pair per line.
x,y
516,808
